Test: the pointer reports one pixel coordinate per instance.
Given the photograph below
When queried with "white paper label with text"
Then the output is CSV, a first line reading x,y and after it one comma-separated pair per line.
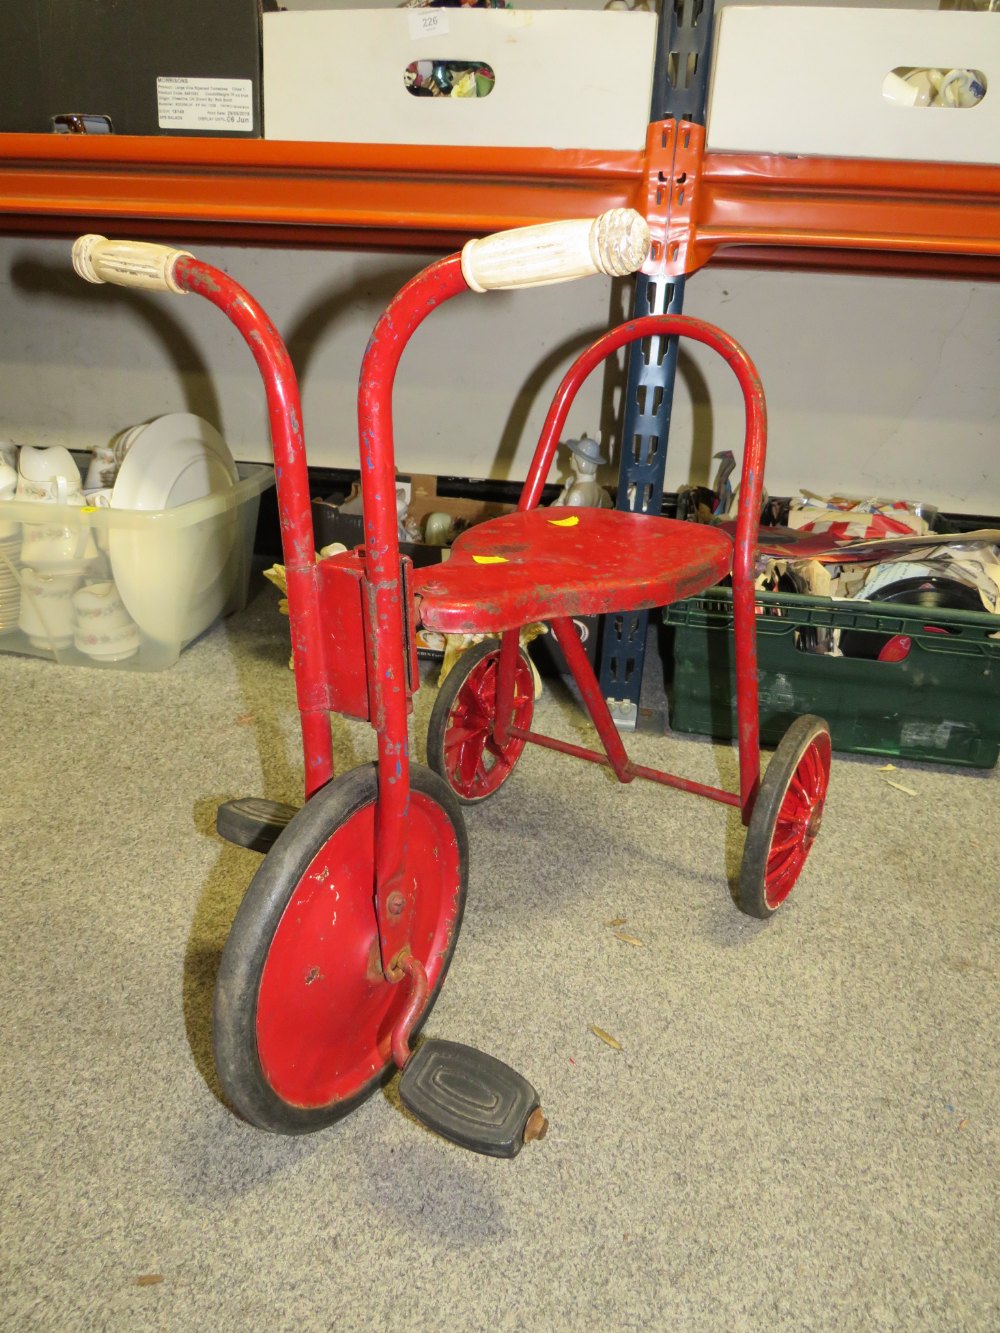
x,y
204,104
427,23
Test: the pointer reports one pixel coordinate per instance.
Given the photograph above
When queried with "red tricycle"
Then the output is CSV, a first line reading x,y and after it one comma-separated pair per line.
x,y
344,937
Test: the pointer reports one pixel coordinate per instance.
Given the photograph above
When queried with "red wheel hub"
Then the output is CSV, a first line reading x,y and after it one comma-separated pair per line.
x,y
798,821
476,763
324,1015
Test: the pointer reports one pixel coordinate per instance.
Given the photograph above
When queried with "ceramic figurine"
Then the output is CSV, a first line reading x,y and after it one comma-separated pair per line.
x,y
407,528
583,490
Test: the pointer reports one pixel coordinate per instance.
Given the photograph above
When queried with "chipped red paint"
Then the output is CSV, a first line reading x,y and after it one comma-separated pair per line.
x,y
600,714
531,569
649,326
751,491
413,969
609,561
341,591
292,482
324,1025
388,663
633,770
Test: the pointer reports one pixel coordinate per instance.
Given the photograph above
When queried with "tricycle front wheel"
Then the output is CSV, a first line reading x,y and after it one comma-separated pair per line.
x,y
303,1018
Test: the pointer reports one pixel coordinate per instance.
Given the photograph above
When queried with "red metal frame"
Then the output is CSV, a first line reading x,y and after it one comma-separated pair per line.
x,y
325,678
410,307
292,482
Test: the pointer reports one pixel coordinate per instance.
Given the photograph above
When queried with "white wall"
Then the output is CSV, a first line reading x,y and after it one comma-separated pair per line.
x,y
875,385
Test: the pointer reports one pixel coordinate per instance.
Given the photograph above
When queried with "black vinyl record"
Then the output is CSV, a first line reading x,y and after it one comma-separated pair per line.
x,y
931,591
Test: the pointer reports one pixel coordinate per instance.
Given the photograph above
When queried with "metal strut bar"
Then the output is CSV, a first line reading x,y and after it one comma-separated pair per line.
x,y
680,83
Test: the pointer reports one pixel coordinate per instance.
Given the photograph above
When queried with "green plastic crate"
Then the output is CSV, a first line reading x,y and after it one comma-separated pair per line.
x,y
938,705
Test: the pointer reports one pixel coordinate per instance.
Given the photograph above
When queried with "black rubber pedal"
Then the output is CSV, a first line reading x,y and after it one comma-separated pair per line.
x,y
472,1099
253,821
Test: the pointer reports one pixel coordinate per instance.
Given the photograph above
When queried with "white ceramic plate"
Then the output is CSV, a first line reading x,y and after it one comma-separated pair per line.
x,y
160,469
174,580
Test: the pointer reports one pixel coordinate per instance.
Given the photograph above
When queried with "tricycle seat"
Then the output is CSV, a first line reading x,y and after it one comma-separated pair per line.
x,y
541,564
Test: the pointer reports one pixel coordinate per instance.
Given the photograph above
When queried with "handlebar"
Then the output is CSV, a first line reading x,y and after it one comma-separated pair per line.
x,y
127,263
616,243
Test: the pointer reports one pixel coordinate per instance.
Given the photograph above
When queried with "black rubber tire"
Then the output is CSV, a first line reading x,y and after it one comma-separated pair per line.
x,y
790,751
234,1018
441,714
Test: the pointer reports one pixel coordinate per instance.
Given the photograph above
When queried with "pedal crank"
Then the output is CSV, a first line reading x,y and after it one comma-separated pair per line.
x,y
253,821
465,1095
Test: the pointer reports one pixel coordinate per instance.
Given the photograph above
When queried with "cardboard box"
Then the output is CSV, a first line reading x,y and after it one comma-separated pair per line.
x,y
186,67
810,80
465,510
330,525
563,79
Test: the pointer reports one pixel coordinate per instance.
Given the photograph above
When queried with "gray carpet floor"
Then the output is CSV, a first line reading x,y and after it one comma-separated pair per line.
x,y
798,1131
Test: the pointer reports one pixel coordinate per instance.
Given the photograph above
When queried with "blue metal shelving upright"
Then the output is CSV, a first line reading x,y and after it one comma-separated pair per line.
x,y
680,86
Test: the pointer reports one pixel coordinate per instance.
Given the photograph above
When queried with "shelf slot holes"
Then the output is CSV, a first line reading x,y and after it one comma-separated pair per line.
x,y
694,8
681,68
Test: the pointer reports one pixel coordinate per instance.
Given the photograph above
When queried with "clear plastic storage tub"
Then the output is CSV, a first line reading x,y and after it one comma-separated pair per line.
x,y
123,588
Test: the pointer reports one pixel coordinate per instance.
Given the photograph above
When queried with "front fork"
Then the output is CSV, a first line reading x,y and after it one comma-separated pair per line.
x,y
388,619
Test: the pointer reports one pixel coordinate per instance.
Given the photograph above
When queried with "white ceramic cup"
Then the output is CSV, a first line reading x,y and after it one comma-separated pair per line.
x,y
100,604
109,645
47,615
52,548
898,91
56,490
925,83
123,442
48,474
102,470
99,499
103,630
40,463
8,486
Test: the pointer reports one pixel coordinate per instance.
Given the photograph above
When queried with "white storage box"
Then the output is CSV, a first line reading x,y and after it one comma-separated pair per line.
x,y
811,81
124,588
563,79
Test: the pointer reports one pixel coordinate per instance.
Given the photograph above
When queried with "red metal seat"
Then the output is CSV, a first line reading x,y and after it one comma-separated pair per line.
x,y
539,564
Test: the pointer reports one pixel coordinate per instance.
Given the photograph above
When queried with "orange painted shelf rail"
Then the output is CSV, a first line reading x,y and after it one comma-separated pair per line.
x,y
731,207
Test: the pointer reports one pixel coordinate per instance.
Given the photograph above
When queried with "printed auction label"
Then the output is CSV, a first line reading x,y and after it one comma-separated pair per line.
x,y
205,104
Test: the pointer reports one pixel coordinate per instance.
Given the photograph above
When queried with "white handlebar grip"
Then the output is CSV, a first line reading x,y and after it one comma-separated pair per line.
x,y
616,243
127,263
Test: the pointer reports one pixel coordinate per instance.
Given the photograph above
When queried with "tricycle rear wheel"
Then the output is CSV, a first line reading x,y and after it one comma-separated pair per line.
x,y
461,746
786,816
303,1017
